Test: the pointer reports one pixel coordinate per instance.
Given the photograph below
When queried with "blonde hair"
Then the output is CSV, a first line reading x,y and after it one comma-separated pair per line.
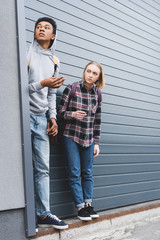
x,y
101,81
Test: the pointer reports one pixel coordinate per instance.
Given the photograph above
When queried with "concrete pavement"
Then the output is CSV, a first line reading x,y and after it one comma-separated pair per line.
x,y
147,229
136,222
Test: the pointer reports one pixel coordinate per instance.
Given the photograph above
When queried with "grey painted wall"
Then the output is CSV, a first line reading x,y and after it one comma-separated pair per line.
x,y
12,225
11,172
124,36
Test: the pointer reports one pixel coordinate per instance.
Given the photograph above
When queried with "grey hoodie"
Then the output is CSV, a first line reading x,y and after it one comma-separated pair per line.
x,y
41,66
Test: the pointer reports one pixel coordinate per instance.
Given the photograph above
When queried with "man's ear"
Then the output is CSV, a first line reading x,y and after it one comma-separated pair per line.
x,y
53,36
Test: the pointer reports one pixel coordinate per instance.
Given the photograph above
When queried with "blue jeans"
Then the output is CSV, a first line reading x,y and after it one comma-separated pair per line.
x,y
40,154
80,165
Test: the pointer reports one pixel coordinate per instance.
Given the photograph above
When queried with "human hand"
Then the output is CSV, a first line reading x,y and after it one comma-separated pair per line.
x,y
79,115
52,82
52,128
96,150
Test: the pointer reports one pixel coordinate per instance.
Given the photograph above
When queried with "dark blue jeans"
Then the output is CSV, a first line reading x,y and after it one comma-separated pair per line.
x,y
80,165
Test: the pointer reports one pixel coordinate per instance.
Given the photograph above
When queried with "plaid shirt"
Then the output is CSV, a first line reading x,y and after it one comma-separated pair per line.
x,y
87,130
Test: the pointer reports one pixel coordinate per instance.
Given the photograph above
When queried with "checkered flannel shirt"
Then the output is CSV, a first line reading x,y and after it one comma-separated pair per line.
x,y
88,129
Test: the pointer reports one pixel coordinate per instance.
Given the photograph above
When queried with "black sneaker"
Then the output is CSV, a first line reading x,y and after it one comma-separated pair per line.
x,y
52,221
84,215
91,212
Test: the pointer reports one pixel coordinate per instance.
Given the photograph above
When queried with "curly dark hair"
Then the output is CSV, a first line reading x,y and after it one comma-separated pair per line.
x,y
47,19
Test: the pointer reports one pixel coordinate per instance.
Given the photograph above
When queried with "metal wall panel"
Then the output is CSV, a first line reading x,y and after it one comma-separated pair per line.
x,y
124,36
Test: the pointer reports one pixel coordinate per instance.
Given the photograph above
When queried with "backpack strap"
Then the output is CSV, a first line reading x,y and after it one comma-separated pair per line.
x,y
27,61
55,60
99,96
73,89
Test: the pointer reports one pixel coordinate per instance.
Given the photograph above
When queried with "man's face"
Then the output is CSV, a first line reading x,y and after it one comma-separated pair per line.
x,y
44,32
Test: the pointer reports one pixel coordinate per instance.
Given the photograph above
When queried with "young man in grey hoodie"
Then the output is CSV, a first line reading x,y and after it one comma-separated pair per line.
x,y
43,83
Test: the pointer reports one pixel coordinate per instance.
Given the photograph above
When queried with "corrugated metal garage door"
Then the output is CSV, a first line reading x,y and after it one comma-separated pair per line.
x,y
124,36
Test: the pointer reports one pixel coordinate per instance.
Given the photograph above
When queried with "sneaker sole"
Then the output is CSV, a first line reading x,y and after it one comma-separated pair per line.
x,y
94,216
52,226
85,218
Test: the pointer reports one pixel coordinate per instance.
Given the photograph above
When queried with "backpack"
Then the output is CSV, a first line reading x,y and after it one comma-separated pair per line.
x,y
61,121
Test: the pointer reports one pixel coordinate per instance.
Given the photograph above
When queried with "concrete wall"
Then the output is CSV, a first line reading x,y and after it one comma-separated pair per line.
x,y
11,168
12,225
11,172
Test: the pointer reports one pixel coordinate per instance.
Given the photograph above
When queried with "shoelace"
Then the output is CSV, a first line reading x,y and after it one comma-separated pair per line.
x,y
90,207
54,217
